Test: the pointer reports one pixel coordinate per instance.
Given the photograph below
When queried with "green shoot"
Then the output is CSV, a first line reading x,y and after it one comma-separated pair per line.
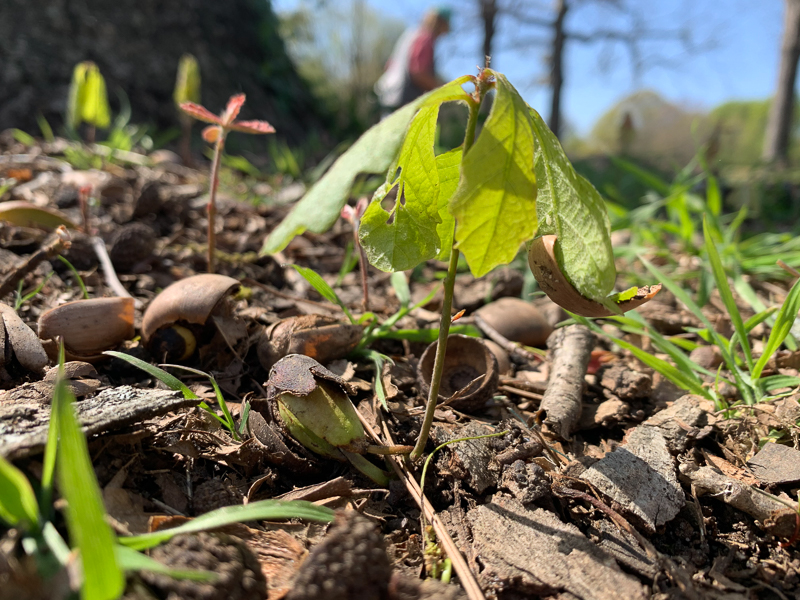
x,y
269,510
77,275
325,290
20,299
85,514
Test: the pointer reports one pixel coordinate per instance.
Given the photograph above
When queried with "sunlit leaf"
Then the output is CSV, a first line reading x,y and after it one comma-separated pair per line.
x,y
449,167
200,113
252,127
25,214
373,153
495,203
569,207
402,238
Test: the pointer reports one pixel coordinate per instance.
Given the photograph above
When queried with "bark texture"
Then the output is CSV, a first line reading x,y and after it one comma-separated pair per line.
x,y
779,126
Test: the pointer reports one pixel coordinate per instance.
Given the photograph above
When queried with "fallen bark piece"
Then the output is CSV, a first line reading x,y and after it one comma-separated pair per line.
x,y
23,427
532,552
571,348
776,463
624,548
683,421
774,516
640,476
625,383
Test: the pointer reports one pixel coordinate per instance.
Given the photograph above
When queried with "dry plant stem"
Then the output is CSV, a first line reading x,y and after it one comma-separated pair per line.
x,y
502,341
212,200
447,302
52,246
110,274
465,575
571,348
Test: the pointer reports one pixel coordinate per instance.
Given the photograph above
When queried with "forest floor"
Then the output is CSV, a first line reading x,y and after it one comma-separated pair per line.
x,y
622,486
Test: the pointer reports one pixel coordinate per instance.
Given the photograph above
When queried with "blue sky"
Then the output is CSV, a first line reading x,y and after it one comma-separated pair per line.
x,y
738,57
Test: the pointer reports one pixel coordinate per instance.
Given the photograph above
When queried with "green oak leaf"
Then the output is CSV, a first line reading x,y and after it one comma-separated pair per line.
x,y
571,208
449,167
406,236
495,203
374,152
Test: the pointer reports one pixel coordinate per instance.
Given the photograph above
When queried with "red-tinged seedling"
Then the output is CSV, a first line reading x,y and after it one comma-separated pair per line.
x,y
215,134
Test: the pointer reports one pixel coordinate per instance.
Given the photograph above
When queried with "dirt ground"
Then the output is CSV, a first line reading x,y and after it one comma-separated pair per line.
x,y
609,483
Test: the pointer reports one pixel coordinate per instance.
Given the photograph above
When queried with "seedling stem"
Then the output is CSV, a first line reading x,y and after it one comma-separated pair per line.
x,y
482,87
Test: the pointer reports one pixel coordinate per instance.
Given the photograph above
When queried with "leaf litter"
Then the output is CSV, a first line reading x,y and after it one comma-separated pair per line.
x,y
552,508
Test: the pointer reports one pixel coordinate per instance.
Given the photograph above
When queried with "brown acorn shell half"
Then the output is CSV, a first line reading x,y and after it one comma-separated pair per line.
x,y
544,265
19,340
190,300
88,327
470,372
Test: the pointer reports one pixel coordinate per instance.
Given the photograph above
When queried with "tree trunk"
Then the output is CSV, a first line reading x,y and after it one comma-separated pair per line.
x,y
779,126
557,66
489,17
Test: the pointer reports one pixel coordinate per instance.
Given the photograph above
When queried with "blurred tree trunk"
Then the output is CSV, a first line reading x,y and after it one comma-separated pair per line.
x,y
489,16
779,126
557,66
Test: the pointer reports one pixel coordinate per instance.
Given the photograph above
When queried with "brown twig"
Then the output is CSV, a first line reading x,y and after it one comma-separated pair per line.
x,y
571,348
109,273
51,247
498,338
460,566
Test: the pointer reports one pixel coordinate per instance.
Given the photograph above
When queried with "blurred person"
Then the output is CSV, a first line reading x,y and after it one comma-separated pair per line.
x,y
411,69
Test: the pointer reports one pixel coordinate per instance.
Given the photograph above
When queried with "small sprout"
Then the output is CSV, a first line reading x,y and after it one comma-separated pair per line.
x,y
315,407
215,134
187,89
167,323
88,101
469,376
88,327
544,265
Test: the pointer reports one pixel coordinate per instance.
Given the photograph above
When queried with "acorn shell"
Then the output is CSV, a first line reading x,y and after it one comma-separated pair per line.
x,y
465,360
20,341
517,320
190,300
89,327
544,266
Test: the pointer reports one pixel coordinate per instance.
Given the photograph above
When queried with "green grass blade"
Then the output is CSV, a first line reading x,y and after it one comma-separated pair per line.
x,y
774,382
255,511
77,275
727,297
686,381
85,514
325,290
783,324
170,381
228,421
18,505
131,560
400,287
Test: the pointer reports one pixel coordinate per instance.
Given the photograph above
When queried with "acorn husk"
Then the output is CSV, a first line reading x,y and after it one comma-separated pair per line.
x,y
545,268
88,327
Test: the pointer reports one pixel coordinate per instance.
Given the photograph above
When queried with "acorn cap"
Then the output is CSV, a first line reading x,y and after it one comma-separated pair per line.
x,y
191,300
545,268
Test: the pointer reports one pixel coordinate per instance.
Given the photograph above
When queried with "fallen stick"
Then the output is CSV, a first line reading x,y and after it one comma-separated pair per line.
x,y
110,274
51,247
773,514
570,348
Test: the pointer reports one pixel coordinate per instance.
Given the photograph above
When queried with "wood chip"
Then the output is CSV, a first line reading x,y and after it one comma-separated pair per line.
x,y
640,476
533,553
776,463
